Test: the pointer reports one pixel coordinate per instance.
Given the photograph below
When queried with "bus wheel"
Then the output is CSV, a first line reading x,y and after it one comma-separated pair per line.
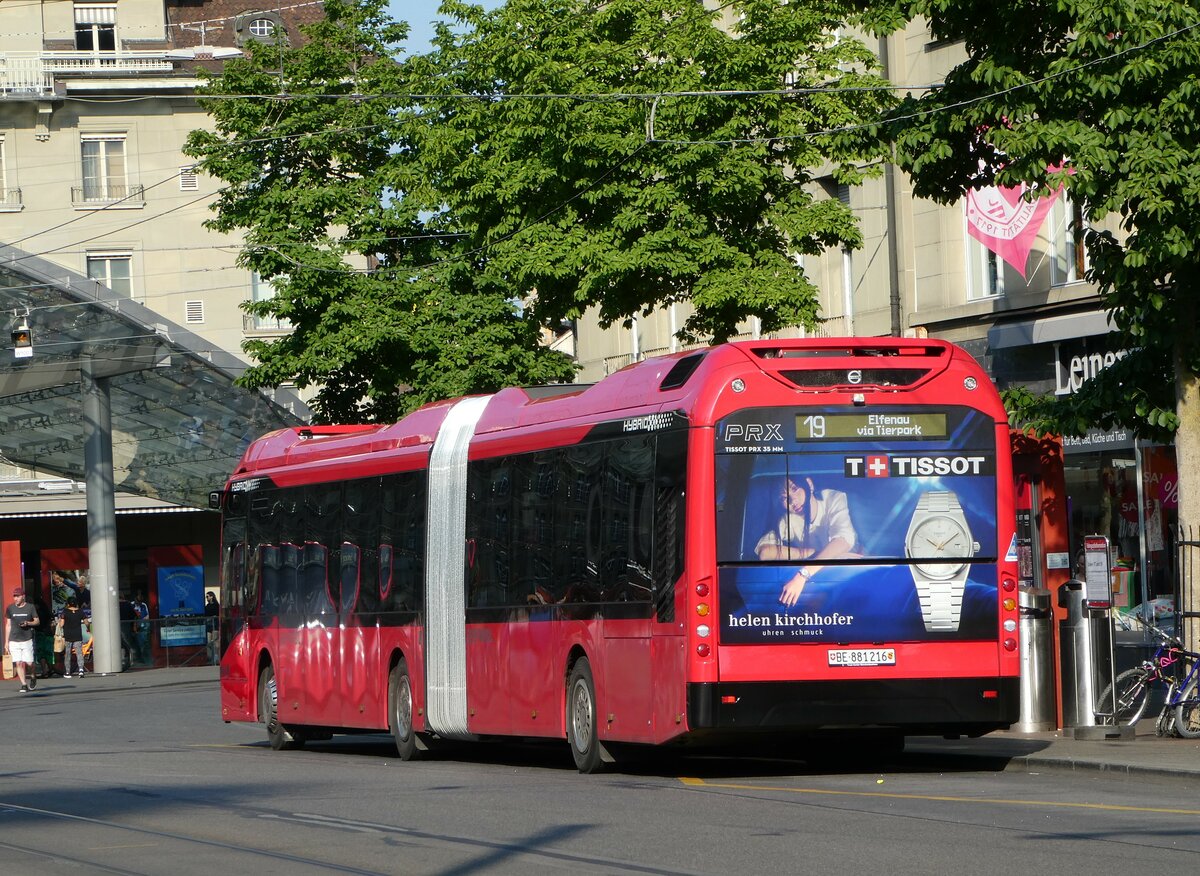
x,y
400,711
582,730
268,712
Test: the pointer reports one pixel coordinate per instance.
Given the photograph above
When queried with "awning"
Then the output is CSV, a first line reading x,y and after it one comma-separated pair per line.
x,y
179,424
1049,329
95,13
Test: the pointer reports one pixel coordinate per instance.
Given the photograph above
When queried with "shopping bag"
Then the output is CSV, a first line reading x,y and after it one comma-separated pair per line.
x,y
8,667
60,644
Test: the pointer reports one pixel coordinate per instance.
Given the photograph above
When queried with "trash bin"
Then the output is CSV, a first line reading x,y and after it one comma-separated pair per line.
x,y
1085,639
1037,661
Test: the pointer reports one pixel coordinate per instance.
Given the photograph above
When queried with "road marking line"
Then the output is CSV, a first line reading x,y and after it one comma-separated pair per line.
x,y
996,801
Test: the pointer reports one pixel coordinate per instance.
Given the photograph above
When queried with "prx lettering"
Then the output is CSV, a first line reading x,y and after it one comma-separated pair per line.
x,y
754,433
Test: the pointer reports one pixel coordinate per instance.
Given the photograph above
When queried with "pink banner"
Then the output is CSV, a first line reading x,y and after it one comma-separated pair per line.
x,y
1003,221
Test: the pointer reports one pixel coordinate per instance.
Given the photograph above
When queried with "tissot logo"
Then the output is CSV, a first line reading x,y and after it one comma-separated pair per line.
x,y
754,433
884,466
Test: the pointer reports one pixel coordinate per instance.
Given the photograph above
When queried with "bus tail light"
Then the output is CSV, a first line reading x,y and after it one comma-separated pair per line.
x,y
702,631
703,650
702,609
702,589
1010,644
1009,603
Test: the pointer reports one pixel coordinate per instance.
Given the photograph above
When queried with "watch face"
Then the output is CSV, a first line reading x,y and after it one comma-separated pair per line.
x,y
939,538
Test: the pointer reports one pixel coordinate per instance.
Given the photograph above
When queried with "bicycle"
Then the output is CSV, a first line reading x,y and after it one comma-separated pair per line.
x,y
1181,709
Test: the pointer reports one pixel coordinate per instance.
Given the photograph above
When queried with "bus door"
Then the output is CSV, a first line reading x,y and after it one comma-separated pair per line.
x,y
627,588
236,685
357,604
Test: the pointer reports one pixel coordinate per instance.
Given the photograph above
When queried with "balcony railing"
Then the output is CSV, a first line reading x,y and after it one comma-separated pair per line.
x,y
24,75
100,195
265,324
31,74
10,200
68,61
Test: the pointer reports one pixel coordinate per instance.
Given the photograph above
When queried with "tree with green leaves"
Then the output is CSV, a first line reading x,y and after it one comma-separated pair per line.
x,y
544,158
1098,97
630,154
386,312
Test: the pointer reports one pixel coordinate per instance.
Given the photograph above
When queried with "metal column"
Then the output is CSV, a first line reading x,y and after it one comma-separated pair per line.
x,y
101,521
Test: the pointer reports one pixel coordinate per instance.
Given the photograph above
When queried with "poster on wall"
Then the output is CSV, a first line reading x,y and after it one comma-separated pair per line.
x,y
180,590
841,527
69,584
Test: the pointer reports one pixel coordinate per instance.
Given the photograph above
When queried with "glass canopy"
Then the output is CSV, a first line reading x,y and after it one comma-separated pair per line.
x,y
179,424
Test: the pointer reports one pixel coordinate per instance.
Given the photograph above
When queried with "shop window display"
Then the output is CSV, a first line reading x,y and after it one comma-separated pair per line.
x,y
1130,495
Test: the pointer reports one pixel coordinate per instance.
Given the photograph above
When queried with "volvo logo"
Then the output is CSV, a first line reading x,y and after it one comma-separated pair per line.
x,y
854,377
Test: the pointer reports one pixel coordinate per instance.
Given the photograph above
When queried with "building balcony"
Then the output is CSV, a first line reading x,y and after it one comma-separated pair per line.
x,y
109,195
265,325
10,200
31,74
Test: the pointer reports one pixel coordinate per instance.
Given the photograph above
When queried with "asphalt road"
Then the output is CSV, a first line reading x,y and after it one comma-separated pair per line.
x,y
149,781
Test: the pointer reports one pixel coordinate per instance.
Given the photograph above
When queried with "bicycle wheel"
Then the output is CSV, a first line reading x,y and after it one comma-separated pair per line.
x,y
1187,711
1133,692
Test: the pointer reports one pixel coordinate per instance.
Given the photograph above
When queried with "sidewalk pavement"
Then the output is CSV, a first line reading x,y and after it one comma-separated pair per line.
x,y
1144,754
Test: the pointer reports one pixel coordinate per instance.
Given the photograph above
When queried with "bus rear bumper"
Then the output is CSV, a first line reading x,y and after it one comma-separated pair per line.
x,y
926,706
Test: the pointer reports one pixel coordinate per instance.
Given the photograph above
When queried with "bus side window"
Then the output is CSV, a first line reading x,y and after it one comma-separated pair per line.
x,y
670,482
534,491
629,476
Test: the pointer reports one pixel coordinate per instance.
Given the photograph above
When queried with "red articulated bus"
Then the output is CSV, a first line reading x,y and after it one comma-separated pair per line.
x,y
763,539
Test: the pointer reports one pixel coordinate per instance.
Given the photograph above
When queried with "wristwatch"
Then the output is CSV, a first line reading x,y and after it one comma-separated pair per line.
x,y
938,531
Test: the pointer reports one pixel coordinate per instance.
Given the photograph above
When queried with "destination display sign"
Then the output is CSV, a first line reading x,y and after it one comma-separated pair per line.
x,y
863,426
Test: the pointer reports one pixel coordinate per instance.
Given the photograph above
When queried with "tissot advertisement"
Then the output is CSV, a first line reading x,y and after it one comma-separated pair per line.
x,y
856,525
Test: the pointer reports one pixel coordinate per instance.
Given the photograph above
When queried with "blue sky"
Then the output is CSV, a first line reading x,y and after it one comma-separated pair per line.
x,y
419,13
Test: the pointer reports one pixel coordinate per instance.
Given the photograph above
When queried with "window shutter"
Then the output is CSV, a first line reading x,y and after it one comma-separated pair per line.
x,y
188,180
194,311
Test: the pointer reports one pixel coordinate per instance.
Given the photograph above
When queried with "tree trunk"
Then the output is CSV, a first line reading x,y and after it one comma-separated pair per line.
x,y
1187,460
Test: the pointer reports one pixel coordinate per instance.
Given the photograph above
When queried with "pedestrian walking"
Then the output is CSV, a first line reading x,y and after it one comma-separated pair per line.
x,y
22,621
71,626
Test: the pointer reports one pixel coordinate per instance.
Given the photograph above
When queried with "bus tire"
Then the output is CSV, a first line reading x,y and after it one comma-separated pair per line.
x,y
278,735
582,723
400,712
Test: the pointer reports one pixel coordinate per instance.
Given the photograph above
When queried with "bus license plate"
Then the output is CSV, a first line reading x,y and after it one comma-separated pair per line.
x,y
863,657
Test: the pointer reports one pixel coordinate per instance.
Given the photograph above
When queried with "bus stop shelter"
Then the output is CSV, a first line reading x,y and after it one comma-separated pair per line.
x,y
101,389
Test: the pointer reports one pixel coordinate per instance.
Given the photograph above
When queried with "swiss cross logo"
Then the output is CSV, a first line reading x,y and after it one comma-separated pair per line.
x,y
874,466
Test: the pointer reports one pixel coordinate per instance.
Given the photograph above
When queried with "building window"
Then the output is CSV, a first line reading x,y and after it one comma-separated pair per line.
x,y
10,198
113,269
96,27
193,311
259,27
104,177
985,272
262,290
1068,263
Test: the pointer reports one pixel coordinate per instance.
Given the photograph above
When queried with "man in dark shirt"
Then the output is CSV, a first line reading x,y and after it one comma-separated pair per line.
x,y
128,632
22,620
